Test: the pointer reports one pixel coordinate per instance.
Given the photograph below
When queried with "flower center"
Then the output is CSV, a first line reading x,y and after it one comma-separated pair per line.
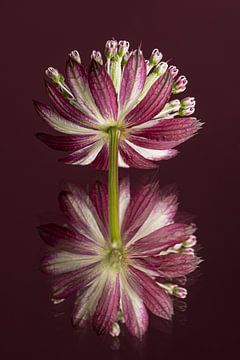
x,y
115,258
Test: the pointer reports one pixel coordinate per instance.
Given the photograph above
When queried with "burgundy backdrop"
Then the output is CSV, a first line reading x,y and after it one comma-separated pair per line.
x,y
202,39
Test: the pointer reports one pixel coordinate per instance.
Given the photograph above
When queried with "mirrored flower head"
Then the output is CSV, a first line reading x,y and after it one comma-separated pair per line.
x,y
115,285
125,92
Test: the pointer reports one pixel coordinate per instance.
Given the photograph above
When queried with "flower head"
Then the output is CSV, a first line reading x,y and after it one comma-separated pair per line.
x,y
126,92
115,285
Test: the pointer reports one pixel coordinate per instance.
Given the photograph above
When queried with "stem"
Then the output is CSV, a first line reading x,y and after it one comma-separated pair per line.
x,y
113,188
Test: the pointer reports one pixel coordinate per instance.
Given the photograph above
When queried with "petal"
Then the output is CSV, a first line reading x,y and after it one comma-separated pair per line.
x,y
133,159
85,305
108,305
124,198
66,239
133,80
61,262
78,82
175,265
161,239
153,154
139,208
103,91
66,284
85,155
68,142
102,159
67,109
59,123
154,297
134,312
78,209
99,197
161,215
165,133
153,102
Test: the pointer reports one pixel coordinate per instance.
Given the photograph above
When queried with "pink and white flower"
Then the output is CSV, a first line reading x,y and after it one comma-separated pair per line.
x,y
115,286
126,92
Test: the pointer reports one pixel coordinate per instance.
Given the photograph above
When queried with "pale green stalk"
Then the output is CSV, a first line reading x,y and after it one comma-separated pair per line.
x,y
113,195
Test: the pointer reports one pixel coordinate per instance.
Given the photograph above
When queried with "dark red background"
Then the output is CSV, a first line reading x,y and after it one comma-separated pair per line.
x,y
202,38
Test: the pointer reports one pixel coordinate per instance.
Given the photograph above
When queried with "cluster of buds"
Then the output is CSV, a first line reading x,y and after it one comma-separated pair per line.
x,y
187,107
185,247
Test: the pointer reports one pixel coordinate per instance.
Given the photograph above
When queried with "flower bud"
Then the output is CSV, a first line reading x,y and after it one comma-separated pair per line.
x,y
188,251
54,75
75,56
161,68
179,292
97,56
123,47
190,242
111,48
125,58
179,85
173,71
186,112
188,102
155,57
115,330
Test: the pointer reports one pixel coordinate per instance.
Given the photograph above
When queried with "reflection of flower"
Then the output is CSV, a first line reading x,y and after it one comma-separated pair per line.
x,y
117,284
126,92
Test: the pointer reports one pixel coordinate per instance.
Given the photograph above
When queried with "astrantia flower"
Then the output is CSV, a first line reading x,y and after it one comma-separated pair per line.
x,y
126,92
117,284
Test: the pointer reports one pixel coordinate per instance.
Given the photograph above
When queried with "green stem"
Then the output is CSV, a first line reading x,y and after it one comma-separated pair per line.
x,y
113,195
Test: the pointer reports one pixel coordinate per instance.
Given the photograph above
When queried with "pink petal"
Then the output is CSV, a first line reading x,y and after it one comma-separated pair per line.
x,y
165,133
154,297
102,159
133,159
85,305
135,313
69,283
85,155
64,238
139,208
62,262
78,209
78,82
133,80
67,142
161,239
152,154
59,123
103,90
99,197
108,306
175,265
161,215
153,102
66,109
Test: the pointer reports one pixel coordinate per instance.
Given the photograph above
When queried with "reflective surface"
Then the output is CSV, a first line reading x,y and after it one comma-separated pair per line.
x,y
202,41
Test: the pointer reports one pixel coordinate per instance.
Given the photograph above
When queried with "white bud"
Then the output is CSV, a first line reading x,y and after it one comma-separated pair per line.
x,y
190,242
180,292
97,56
115,329
156,57
75,56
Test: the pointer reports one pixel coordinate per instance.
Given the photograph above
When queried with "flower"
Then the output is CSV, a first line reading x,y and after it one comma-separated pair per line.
x,y
116,285
126,92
